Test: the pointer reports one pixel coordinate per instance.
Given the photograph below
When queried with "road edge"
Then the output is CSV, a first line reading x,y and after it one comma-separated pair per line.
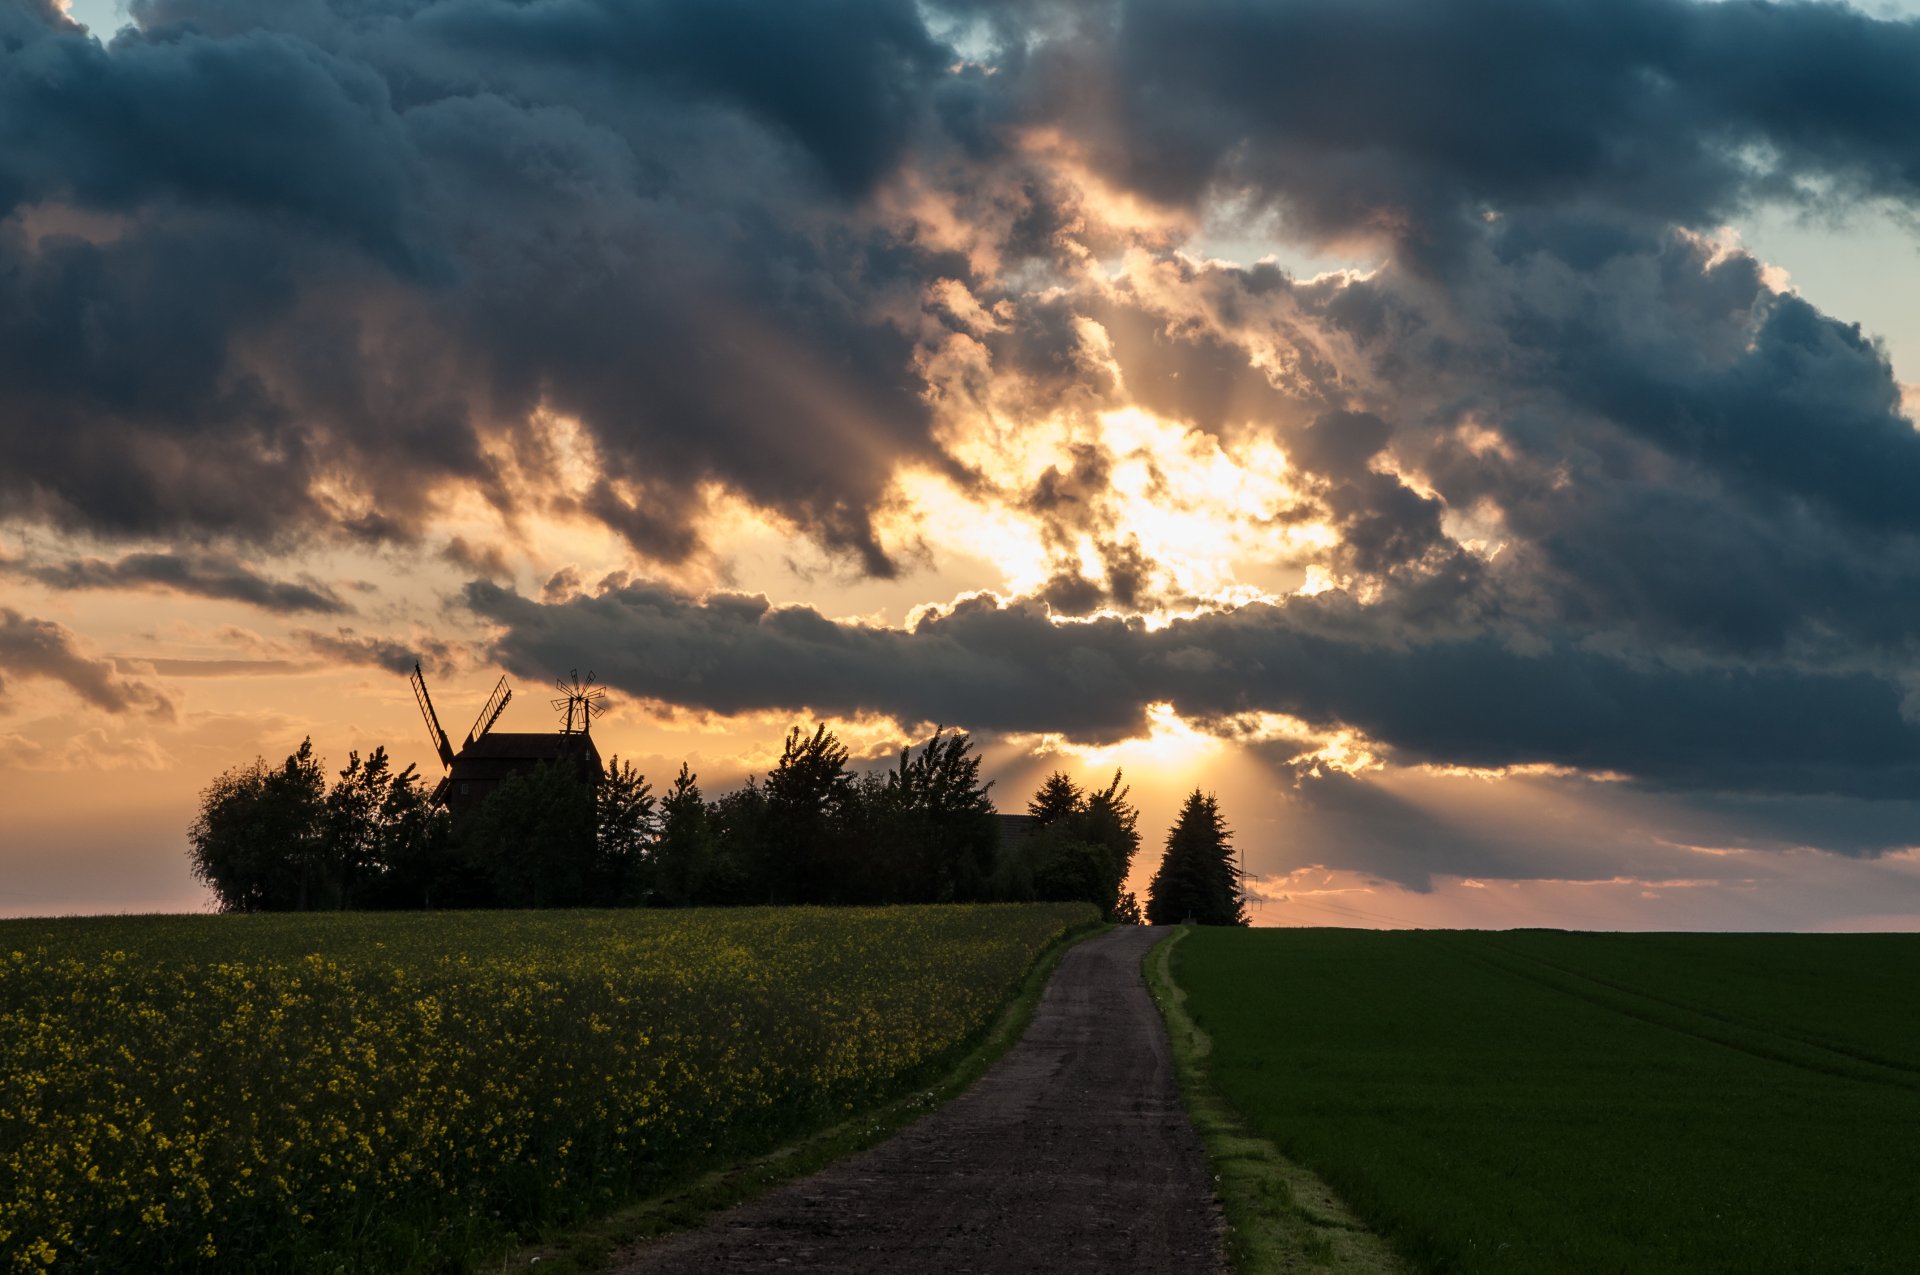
x,y
596,1244
1279,1215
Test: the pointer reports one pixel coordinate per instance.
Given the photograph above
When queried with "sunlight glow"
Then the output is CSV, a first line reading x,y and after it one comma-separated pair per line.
x,y
1192,511
1170,745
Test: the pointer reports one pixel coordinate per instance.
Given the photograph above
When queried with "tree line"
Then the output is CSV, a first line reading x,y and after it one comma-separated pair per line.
x,y
281,838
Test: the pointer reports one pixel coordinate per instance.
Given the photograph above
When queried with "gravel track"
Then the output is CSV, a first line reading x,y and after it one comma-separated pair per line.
x,y
1073,1153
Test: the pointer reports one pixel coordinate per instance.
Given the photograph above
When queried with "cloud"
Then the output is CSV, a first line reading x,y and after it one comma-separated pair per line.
x,y
276,270
478,558
92,750
999,667
345,646
351,256
43,650
206,575
1406,121
1651,444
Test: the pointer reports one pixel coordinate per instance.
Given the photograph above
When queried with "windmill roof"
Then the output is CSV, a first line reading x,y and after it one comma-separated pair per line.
x,y
504,753
518,744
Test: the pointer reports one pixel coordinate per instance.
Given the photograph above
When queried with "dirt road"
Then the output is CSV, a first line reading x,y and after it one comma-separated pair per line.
x,y
1072,1154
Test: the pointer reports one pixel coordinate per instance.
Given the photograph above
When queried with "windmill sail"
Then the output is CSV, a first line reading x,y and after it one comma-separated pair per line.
x,y
581,701
440,741
490,712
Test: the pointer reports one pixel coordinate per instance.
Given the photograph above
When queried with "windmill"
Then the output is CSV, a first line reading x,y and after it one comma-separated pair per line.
x,y
487,758
581,701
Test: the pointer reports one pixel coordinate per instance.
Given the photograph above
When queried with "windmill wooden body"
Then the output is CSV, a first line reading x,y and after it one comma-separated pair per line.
x,y
487,758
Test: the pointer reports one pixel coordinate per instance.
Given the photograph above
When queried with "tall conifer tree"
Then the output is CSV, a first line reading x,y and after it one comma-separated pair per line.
x,y
1197,878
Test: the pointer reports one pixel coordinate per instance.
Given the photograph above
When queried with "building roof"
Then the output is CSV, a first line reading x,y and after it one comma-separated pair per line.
x,y
503,753
523,744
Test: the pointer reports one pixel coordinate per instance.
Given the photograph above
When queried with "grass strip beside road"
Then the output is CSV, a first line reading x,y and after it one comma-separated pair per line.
x,y
1280,1216
595,1245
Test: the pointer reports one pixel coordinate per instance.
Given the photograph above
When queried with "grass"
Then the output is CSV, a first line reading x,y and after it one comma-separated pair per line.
x,y
411,1093
1542,1101
1280,1216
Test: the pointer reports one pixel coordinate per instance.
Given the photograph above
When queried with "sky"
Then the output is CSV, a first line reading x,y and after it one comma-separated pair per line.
x,y
1475,440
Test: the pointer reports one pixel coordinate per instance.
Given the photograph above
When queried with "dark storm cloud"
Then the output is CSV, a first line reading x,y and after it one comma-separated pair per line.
x,y
205,575
1409,117
265,253
42,649
1009,668
844,78
279,267
213,121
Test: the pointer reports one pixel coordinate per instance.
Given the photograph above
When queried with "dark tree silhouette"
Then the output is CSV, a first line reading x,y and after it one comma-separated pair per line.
x,y
683,853
923,831
805,793
941,823
741,826
259,837
1081,846
1111,821
1197,879
624,830
367,810
414,862
1058,798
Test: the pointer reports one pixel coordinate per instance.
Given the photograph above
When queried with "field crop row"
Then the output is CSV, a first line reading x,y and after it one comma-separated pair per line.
x,y
403,1092
1536,1101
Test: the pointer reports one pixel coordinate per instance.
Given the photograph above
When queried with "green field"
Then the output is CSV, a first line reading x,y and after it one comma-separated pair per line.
x,y
407,1092
1544,1101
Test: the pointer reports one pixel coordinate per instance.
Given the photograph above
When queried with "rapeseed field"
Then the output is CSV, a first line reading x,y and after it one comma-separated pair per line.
x,y
395,1092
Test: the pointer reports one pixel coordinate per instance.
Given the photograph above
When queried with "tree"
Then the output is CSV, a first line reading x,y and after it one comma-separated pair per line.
x,y
624,831
1197,879
259,834
875,852
943,828
1058,798
736,871
357,808
415,864
683,852
1081,845
1067,867
804,794
1110,820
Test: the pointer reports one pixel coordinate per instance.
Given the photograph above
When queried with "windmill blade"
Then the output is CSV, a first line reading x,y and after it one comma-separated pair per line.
x,y
440,743
490,711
